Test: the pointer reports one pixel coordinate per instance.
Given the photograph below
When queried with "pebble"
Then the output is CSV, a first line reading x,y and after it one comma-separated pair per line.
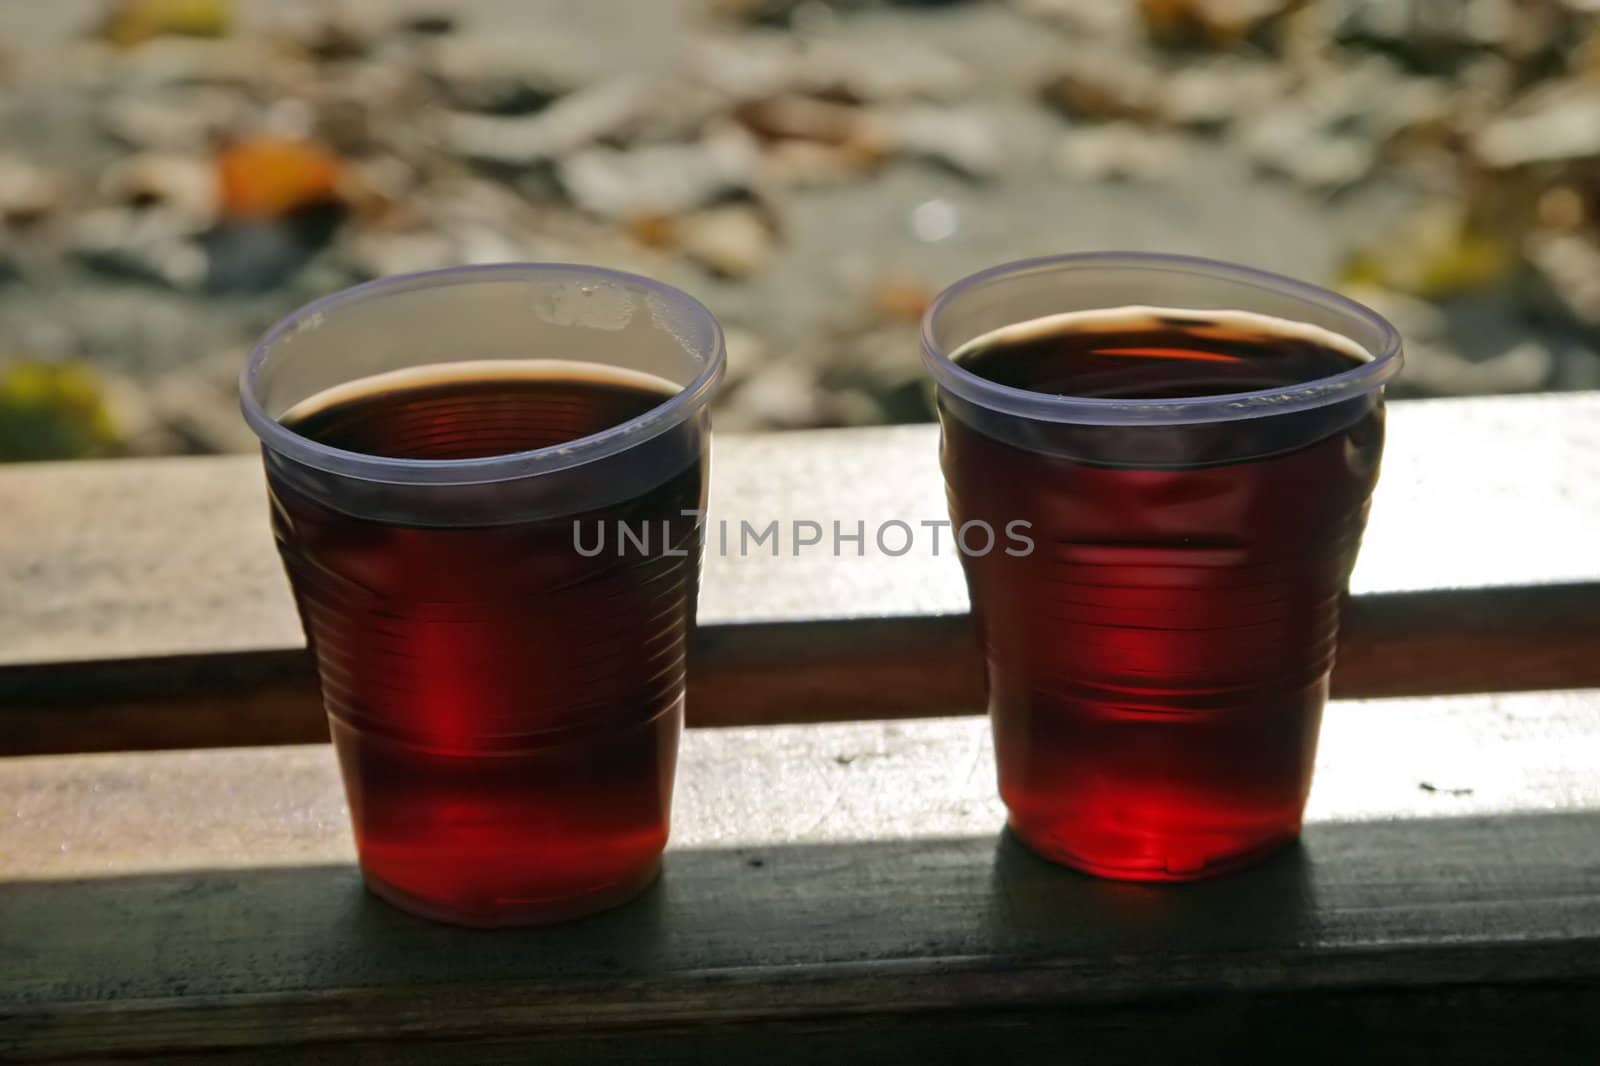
x,y
565,127
28,193
1105,85
248,63
148,328
811,165
219,368
671,110
754,10
747,353
780,395
133,420
1560,125
369,112
960,139
258,255
1562,207
1569,266
1331,133
380,252
854,407
1118,20
1117,151
746,66
1309,157
1209,22
434,22
731,240
1416,320
900,298
658,179
478,242
1428,33
885,356
175,119
1213,93
152,245
338,29
183,189
380,187
794,117
1524,367
454,222
882,69
506,75
872,70
884,363
201,415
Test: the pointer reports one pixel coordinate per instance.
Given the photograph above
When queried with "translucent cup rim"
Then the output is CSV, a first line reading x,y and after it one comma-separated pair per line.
x,y
659,419
1228,407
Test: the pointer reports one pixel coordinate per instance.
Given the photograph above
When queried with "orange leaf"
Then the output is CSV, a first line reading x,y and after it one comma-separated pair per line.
x,y
265,177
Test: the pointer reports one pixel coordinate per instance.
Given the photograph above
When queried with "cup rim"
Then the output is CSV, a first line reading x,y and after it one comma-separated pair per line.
x,y
666,415
1227,407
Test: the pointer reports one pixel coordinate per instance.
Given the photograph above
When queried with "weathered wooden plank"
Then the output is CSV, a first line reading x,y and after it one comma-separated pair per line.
x,y
820,878
157,558
1464,1025
143,597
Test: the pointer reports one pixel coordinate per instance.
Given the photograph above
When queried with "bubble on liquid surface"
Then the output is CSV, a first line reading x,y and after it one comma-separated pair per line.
x,y
590,305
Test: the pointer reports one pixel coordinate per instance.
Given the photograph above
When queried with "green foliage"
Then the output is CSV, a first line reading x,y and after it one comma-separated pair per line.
x,y
53,411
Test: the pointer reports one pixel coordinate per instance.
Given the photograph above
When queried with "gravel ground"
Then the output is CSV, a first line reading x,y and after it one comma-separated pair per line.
x,y
813,310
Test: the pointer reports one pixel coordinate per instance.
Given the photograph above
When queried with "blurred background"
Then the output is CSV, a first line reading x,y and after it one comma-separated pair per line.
x,y
177,174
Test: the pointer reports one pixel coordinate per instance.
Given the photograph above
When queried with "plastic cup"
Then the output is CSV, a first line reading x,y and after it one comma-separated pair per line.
x,y
505,707
1158,661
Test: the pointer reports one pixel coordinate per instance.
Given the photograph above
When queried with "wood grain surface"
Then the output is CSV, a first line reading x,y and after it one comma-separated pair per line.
x,y
838,888
145,607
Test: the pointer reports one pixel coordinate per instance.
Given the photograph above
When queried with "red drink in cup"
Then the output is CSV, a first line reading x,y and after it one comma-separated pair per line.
x,y
1192,447
505,697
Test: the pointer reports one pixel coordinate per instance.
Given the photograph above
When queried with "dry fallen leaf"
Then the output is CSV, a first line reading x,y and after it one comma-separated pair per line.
x,y
53,411
1437,253
1218,23
132,22
266,177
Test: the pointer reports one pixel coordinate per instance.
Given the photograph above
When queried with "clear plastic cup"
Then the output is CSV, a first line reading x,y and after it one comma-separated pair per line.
x,y
1158,658
505,698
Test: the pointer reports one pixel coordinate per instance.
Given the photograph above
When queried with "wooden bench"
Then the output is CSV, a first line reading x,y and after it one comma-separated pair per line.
x,y
835,889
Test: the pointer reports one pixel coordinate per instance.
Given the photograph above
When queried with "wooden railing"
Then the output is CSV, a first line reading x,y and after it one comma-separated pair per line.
x,y
835,889
146,607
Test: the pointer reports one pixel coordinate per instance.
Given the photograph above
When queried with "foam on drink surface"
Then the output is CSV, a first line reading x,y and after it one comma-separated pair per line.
x,y
1158,352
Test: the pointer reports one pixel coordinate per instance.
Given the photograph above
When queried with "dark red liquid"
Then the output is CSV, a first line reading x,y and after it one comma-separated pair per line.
x,y
1157,666
506,711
